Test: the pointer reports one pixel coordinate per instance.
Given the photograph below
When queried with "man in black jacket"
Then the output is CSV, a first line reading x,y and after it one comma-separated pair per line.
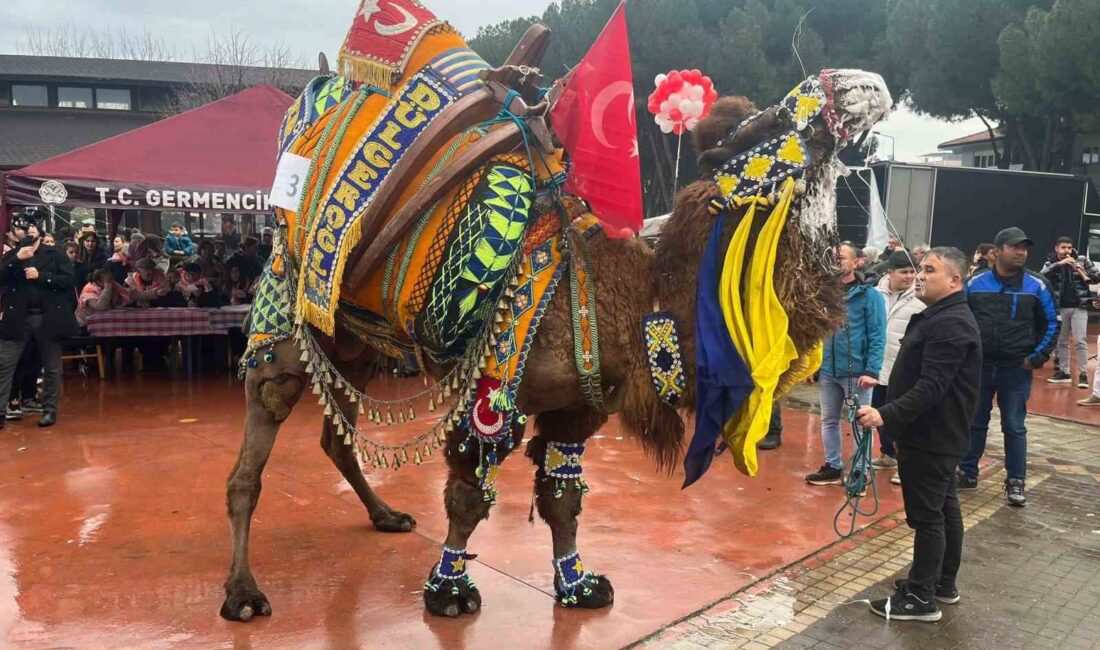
x,y
36,283
933,390
1070,275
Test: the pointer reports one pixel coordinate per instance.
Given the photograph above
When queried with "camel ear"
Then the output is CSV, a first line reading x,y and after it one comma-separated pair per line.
x,y
322,64
724,116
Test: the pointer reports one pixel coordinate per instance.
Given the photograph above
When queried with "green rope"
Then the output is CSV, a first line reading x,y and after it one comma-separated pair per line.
x,y
858,473
859,476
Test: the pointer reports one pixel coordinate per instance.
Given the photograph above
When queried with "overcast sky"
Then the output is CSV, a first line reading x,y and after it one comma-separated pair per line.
x,y
312,26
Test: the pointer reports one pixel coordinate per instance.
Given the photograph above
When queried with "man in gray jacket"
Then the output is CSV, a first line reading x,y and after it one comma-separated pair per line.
x,y
897,289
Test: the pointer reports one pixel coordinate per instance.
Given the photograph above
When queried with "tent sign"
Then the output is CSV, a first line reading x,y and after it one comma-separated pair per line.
x,y
28,190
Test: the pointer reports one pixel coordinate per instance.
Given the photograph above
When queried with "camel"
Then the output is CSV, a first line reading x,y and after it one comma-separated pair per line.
x,y
551,391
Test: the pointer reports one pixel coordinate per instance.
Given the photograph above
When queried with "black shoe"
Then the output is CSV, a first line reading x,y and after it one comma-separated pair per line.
x,y
825,476
48,419
1014,492
905,606
965,483
14,412
32,406
1059,377
944,594
773,440
1083,381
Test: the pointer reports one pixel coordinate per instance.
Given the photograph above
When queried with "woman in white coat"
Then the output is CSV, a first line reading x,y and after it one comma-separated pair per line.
x,y
901,303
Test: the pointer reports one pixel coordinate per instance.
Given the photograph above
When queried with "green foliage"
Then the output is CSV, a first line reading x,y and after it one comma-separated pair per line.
x,y
743,45
1033,66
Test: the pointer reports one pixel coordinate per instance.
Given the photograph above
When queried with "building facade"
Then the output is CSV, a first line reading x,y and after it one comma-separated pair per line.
x,y
51,105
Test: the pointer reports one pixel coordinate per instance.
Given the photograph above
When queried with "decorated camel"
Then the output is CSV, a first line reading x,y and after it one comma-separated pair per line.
x,y
428,223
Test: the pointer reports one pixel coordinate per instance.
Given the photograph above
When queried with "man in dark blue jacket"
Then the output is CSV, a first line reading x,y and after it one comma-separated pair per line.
x,y
1019,323
852,361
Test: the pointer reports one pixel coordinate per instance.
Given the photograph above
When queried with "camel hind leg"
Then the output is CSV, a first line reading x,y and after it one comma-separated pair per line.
x,y
557,450
383,517
271,391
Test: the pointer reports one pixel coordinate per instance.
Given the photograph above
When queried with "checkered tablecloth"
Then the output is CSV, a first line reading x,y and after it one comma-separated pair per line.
x,y
162,321
228,317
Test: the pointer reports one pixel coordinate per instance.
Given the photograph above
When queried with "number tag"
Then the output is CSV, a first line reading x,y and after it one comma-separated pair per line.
x,y
290,180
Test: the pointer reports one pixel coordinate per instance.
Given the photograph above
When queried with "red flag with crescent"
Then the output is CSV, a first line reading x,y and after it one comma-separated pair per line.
x,y
595,120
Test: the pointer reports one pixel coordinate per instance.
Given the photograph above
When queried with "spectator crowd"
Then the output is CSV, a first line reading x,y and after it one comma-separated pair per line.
x,y
51,284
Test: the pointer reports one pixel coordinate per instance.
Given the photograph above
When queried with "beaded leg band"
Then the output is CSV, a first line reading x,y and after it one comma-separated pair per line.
x,y
564,463
450,571
571,581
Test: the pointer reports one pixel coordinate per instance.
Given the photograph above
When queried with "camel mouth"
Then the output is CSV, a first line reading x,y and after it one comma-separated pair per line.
x,y
861,100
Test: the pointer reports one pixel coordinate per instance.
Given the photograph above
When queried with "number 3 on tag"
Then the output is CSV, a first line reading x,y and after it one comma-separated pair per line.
x,y
290,180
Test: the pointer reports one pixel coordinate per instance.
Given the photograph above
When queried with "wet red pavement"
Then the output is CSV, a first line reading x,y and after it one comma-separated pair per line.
x,y
113,534
1060,400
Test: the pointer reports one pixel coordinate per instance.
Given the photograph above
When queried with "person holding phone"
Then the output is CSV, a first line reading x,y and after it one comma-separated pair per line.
x,y
1070,275
36,284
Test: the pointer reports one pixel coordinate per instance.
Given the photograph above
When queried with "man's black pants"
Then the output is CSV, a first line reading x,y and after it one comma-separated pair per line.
x,y
932,510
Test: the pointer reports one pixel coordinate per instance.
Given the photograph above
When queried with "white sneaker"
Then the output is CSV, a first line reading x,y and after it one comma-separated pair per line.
x,y
896,479
1091,400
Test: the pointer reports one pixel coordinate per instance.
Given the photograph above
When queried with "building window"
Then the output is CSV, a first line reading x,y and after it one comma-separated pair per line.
x,y
984,160
1090,156
29,96
74,97
111,99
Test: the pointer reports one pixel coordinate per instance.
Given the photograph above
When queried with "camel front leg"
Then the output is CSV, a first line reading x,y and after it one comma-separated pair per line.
x,y
270,394
470,493
559,487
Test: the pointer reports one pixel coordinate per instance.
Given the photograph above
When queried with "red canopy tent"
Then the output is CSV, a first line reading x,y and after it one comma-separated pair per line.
x,y
216,158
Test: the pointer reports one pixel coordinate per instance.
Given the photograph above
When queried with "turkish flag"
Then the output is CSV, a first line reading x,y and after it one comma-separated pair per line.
x,y
594,120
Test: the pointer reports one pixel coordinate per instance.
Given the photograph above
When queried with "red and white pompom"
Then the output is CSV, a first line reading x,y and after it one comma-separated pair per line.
x,y
682,98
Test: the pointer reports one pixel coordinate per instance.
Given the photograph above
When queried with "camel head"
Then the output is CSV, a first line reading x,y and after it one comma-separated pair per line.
x,y
828,111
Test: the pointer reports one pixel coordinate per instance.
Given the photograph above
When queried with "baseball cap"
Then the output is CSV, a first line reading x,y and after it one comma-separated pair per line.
x,y
1012,236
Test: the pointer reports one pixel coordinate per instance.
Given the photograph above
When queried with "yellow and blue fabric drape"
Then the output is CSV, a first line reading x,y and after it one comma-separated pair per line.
x,y
743,347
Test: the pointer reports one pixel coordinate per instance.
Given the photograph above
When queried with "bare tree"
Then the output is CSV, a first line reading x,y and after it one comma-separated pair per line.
x,y
85,42
234,62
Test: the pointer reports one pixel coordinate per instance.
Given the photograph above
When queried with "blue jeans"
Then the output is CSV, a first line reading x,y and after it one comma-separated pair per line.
x,y
1011,383
833,392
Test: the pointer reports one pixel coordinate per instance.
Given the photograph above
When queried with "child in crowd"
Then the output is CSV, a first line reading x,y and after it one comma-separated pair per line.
x,y
178,245
194,289
148,284
238,288
100,294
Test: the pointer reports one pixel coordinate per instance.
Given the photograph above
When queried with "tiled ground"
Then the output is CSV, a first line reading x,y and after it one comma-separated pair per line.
x,y
1028,578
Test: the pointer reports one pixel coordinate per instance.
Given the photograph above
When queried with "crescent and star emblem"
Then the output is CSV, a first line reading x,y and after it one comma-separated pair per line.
x,y
599,112
371,7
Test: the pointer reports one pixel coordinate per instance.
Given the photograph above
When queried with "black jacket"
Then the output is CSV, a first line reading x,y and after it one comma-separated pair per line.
x,y
1016,315
1065,279
933,387
54,289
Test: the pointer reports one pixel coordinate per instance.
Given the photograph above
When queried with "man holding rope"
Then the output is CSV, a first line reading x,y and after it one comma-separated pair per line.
x,y
933,390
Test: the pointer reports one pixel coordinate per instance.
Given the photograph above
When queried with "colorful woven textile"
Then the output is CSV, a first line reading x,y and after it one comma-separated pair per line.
x,y
270,319
382,38
355,134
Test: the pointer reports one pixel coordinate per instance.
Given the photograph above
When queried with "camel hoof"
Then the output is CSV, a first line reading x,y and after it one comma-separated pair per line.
x,y
599,594
444,602
394,522
244,604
